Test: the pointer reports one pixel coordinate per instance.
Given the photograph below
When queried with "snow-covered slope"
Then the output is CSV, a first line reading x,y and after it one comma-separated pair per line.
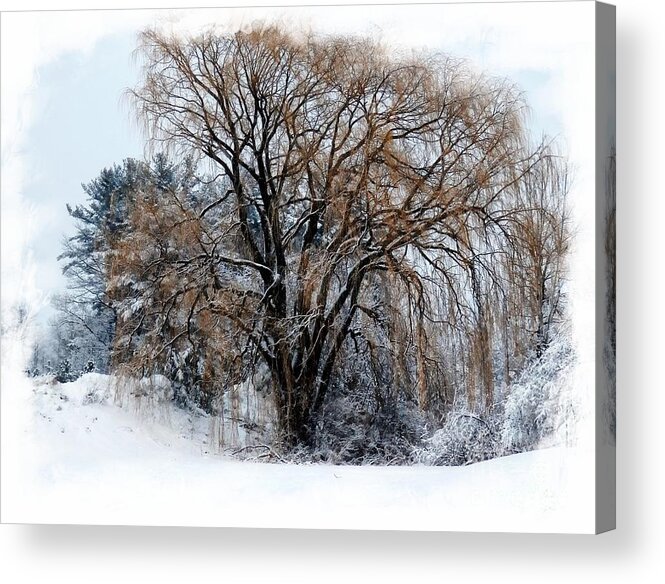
x,y
84,459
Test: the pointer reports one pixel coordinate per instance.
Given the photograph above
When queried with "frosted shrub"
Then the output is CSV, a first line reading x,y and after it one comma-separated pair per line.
x,y
539,409
65,373
465,438
352,433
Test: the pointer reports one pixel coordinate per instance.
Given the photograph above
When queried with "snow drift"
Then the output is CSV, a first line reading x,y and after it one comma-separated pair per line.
x,y
88,460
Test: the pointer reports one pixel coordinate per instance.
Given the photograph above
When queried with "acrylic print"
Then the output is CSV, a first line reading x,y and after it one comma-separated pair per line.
x,y
322,267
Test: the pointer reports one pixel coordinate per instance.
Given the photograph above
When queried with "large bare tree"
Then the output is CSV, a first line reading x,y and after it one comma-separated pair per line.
x,y
361,195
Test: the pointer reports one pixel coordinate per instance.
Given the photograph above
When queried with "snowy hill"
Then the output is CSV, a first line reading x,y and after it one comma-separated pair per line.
x,y
92,461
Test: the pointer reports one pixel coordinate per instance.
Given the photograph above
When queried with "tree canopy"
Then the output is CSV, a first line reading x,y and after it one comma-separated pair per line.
x,y
371,219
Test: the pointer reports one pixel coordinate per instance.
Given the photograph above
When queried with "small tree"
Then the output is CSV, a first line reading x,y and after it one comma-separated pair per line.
x,y
87,315
65,373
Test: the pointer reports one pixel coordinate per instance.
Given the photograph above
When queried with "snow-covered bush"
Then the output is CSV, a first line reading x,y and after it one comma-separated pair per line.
x,y
350,432
465,438
65,373
89,388
540,409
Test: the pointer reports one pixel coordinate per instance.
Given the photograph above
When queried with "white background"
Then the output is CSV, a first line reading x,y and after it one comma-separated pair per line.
x,y
101,554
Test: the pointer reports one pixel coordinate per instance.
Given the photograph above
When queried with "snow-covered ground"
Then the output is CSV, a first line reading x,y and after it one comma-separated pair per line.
x,y
72,455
